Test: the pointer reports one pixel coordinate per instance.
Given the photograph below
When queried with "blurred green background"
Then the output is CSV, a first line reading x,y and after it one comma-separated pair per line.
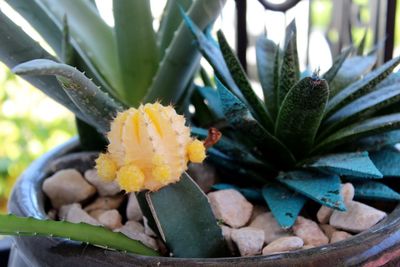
x,y
31,123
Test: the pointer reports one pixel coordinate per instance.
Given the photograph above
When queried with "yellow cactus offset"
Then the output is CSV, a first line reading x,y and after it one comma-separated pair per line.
x,y
150,147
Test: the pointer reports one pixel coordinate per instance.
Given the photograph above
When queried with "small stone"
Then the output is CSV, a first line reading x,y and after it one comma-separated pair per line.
x,y
339,236
227,234
66,187
52,214
283,244
272,230
143,238
96,213
133,211
134,226
347,192
231,207
327,229
105,203
325,213
309,231
307,247
63,211
103,188
248,240
147,229
111,219
78,215
257,210
357,218
204,175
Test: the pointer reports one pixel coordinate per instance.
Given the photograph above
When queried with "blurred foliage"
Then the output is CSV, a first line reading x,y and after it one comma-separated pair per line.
x,y
30,124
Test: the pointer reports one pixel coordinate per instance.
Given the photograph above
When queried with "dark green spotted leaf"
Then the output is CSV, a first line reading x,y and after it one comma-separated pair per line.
x,y
241,80
376,142
352,69
322,188
392,79
362,108
284,203
301,113
387,160
241,119
97,106
290,71
266,53
359,130
355,164
211,98
375,191
188,227
361,87
337,64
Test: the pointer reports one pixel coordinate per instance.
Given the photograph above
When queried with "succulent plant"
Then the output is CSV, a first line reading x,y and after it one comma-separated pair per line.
x,y
310,133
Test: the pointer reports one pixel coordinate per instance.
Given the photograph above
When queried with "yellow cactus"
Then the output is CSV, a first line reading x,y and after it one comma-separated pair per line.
x,y
150,147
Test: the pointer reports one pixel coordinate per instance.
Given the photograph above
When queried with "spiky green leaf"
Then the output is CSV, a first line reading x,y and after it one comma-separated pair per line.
x,y
241,119
361,45
301,113
361,87
337,64
98,108
290,71
320,187
387,160
210,95
95,235
284,203
376,142
188,227
356,164
375,191
358,130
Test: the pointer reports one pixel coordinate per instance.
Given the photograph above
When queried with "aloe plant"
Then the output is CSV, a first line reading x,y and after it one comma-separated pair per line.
x,y
309,134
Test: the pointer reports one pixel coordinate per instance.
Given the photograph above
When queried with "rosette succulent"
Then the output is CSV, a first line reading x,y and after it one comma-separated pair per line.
x,y
310,134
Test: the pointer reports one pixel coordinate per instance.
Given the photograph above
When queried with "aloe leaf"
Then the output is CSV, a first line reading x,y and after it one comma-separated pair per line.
x,y
136,45
337,64
170,21
182,58
290,71
356,164
387,160
33,12
241,80
266,53
375,191
358,130
301,113
18,47
361,87
352,69
89,138
284,203
241,119
98,108
188,227
210,95
91,37
211,52
376,142
392,79
362,108
361,45
94,235
320,187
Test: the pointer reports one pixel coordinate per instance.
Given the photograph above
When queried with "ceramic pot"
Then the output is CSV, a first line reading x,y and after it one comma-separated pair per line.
x,y
378,246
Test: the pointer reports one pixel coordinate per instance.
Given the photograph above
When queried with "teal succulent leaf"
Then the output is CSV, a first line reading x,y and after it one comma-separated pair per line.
x,y
376,142
352,69
95,235
355,164
210,95
337,64
290,71
375,191
98,108
240,118
361,87
301,113
284,203
320,187
241,80
358,130
266,54
188,227
362,108
387,160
